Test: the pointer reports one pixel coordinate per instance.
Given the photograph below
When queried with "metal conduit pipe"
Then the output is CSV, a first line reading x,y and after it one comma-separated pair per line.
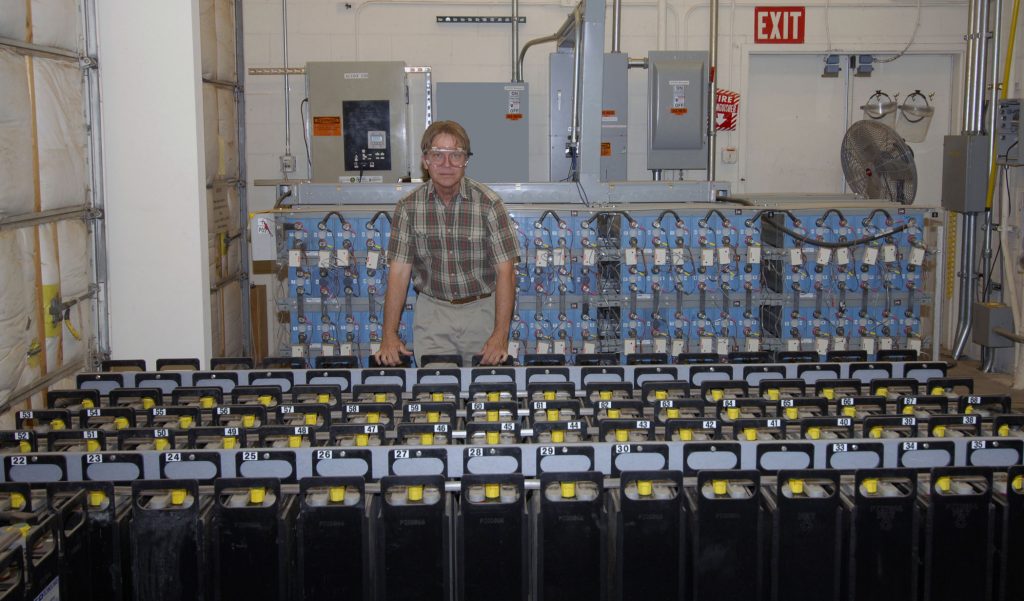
x,y
969,67
574,129
980,59
636,63
616,25
545,39
712,90
516,74
287,91
966,283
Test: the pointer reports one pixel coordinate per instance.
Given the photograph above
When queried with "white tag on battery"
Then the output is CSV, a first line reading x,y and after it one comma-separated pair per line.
x,y
792,344
324,259
796,256
513,348
660,344
543,256
589,348
707,344
559,257
885,343
678,347
559,347
722,346
821,345
326,350
870,255
374,347
660,256
724,255
543,347
294,258
372,259
867,344
677,256
589,257
914,343
824,256
631,256
917,256
298,350
839,343
344,258
345,349
753,254
753,344
629,346
889,253
707,257
843,256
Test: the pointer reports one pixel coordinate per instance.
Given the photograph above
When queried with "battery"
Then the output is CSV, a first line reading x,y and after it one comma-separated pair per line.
x,y
648,535
252,539
1009,534
169,540
54,544
571,529
413,539
12,574
37,543
491,538
333,519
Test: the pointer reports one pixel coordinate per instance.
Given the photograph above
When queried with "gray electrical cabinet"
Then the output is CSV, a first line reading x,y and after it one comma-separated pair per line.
x,y
965,173
358,121
614,115
677,113
496,116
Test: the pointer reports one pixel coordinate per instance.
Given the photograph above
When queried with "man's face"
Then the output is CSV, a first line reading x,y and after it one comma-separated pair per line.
x,y
444,175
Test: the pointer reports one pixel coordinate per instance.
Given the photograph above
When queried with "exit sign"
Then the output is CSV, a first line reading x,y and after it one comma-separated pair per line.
x,y
779,24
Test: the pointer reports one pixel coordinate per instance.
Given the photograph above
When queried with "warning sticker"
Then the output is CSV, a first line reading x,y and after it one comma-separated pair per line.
x,y
678,93
606,149
326,126
681,111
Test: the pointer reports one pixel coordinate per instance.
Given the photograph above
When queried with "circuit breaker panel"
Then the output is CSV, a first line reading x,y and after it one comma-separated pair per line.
x,y
645,279
358,121
677,115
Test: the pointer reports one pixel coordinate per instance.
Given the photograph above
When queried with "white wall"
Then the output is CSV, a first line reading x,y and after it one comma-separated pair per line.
x,y
155,186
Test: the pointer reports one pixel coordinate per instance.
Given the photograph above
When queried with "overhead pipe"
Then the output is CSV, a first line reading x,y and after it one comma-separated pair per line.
x,y
616,25
967,283
574,129
712,90
986,251
558,35
287,91
517,76
969,66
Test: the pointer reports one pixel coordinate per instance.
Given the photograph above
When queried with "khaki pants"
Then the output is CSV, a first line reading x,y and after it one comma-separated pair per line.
x,y
441,328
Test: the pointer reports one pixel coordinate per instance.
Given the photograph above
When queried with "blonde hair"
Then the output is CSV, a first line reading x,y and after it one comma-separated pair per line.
x,y
451,128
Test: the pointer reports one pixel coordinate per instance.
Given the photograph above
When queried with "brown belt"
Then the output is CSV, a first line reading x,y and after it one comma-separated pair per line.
x,y
469,299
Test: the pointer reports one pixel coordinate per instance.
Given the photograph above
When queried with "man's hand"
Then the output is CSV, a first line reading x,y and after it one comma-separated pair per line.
x,y
392,349
495,350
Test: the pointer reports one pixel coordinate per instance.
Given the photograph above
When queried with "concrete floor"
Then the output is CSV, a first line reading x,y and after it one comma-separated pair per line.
x,y
987,383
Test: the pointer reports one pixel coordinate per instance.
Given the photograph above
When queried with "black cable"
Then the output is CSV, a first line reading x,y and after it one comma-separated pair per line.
x,y
842,218
847,244
305,137
582,193
373,220
735,200
552,213
871,216
280,199
668,212
796,221
704,222
327,216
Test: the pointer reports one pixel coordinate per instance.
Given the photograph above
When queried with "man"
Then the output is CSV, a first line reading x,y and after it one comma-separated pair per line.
x,y
454,237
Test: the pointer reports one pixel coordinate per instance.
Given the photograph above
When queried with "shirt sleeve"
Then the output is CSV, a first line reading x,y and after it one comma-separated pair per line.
x,y
505,245
400,242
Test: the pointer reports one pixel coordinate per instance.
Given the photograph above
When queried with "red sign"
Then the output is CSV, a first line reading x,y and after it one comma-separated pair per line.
x,y
727,110
779,24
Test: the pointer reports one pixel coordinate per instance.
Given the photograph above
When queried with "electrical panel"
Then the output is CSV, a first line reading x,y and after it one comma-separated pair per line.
x,y
614,114
358,121
677,113
1008,132
644,279
965,173
497,118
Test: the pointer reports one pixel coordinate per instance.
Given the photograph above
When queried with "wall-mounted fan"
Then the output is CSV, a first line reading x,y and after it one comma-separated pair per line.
x,y
877,163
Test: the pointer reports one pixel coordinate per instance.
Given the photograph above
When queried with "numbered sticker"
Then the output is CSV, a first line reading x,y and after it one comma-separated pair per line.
x,y
401,453
324,454
621,449
19,460
250,456
910,446
94,458
172,457
546,451
474,452
839,447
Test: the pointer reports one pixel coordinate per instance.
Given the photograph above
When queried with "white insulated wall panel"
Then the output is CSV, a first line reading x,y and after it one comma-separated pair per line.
x,y
60,116
17,194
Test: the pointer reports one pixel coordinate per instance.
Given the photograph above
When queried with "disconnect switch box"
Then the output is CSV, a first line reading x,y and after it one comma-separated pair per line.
x,y
677,115
987,318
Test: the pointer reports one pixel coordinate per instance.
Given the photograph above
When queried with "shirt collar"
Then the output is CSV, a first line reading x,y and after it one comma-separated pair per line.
x,y
462,194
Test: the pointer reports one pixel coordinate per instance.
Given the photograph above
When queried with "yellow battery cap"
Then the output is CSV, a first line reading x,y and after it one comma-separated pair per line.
x,y
605,395
1004,430
492,491
850,411
96,498
362,440
437,397
323,398
717,394
614,413
733,412
161,444
120,423
433,416
309,419
178,496
792,413
207,402
87,404
184,422
672,412
57,424
493,437
908,410
814,433
257,495
427,438
568,490
943,483
1018,483
228,442
373,417
336,494
870,485
24,446
552,415
939,431
720,487
494,396
92,445
265,400
828,393
148,402
796,486
622,435
969,409
380,397
493,415
875,432
644,488
17,501
772,394
685,434
415,492
558,436
881,391
750,433
294,441
938,390
24,530
660,395
549,395
249,420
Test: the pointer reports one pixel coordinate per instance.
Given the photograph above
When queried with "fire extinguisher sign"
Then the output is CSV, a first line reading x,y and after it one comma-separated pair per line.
x,y
727,110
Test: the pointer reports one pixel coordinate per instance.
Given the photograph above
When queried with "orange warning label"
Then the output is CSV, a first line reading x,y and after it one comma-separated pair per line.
x,y
606,149
326,126
608,113
513,116
678,111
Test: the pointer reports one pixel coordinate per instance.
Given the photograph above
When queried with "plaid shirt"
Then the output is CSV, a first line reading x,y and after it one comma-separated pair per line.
x,y
453,249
